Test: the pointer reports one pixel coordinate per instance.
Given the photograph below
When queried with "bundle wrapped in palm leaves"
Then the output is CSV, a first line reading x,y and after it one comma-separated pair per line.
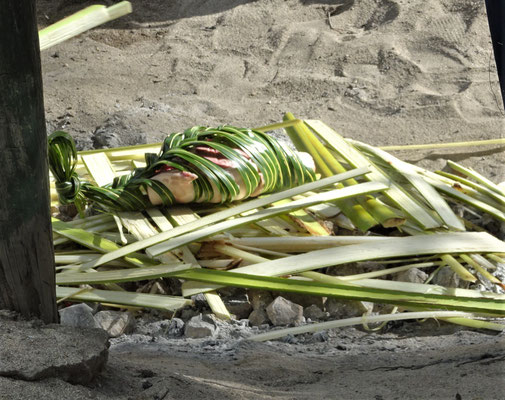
x,y
277,236
203,165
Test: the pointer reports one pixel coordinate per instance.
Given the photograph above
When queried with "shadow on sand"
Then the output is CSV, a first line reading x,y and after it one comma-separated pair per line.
x,y
152,13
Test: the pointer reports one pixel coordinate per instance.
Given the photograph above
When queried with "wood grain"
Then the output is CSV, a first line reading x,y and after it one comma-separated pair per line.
x,y
27,282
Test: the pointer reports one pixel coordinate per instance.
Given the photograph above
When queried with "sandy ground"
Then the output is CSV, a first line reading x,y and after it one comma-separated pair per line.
x,y
381,71
427,362
352,365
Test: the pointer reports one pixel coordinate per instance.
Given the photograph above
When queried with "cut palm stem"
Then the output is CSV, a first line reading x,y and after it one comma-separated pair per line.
x,y
433,146
167,303
279,125
483,261
80,22
350,191
239,254
429,194
181,215
98,228
382,213
480,188
305,221
261,251
475,323
298,244
96,242
478,177
395,193
61,259
100,168
411,287
124,275
458,268
302,142
453,243
456,194
378,211
327,165
318,327
325,211
388,271
475,265
496,258
489,306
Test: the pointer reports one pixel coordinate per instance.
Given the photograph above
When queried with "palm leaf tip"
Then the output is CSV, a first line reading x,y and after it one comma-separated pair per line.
x,y
62,156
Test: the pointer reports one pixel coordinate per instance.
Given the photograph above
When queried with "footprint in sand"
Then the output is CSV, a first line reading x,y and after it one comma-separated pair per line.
x,y
384,12
370,14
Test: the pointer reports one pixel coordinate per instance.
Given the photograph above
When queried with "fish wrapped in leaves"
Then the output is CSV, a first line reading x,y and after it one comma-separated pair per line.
x,y
203,165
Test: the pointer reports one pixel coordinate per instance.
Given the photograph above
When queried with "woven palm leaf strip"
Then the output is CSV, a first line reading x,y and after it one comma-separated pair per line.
x,y
257,157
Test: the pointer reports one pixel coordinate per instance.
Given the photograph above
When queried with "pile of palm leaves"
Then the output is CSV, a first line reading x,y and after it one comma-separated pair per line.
x,y
381,209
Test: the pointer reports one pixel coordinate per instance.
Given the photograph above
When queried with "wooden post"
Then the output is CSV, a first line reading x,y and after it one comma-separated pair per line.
x,y
27,282
496,18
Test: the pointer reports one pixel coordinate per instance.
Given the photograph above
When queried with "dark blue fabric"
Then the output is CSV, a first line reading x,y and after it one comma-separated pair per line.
x,y
496,18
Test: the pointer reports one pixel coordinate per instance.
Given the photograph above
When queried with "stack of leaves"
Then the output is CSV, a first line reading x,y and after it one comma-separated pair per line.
x,y
382,209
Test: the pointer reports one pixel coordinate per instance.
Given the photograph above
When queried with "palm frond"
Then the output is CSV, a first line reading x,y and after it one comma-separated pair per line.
x,y
279,241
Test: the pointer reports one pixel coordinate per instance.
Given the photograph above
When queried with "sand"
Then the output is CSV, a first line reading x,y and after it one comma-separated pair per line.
x,y
381,71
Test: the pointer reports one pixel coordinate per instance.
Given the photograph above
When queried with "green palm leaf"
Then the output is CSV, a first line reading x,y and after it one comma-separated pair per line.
x,y
250,152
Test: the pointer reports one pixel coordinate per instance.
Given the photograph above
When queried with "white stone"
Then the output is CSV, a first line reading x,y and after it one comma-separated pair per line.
x,y
446,277
284,312
414,275
258,317
315,313
340,308
197,328
78,315
116,323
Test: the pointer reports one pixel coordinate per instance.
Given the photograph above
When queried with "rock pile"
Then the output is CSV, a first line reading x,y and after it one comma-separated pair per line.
x,y
251,309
